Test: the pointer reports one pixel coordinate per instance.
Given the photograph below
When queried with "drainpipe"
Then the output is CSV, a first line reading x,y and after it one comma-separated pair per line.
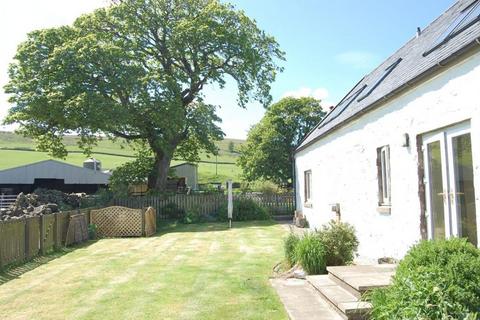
x,y
294,180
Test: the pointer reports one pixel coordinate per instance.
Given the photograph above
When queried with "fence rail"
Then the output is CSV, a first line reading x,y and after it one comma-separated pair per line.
x,y
23,239
7,200
279,204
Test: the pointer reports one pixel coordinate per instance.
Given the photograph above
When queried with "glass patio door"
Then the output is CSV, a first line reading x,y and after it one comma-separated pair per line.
x,y
450,197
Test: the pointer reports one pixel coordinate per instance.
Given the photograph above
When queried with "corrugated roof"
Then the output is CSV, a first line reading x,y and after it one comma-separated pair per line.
x,y
414,65
52,169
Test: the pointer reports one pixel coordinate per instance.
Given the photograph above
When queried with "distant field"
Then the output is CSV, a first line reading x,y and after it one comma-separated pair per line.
x,y
119,154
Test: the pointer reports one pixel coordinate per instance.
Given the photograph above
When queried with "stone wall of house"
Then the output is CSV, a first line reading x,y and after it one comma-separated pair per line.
x,y
344,168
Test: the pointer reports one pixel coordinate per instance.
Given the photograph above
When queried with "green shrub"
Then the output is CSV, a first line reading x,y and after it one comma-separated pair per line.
x,y
194,216
340,243
173,211
92,231
290,246
310,253
244,210
436,280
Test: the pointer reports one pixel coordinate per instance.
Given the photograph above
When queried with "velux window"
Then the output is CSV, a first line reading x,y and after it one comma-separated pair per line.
x,y
307,185
466,18
379,80
383,165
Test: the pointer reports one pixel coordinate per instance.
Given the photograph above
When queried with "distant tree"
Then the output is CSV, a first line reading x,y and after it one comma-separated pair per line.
x,y
267,153
231,147
135,70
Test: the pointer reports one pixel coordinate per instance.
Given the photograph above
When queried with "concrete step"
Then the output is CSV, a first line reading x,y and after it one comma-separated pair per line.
x,y
348,305
362,278
302,301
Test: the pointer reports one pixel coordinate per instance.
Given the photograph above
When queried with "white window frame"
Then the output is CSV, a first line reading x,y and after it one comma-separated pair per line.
x,y
385,196
307,185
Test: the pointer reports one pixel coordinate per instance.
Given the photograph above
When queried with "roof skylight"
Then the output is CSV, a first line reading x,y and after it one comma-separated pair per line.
x,y
342,105
385,74
465,19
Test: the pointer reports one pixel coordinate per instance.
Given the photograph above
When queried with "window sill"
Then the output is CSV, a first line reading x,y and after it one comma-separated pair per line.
x,y
384,209
307,205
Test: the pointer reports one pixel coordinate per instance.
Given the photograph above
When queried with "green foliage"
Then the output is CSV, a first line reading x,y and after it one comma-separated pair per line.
x,y
436,280
173,211
290,246
340,243
244,210
136,70
231,146
310,254
267,154
92,231
193,215
131,173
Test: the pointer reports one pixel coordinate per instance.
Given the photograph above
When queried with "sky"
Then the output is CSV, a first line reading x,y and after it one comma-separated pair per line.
x,y
329,45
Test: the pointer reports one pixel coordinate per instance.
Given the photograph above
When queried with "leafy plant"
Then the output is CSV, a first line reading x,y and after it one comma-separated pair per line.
x,y
173,211
92,231
310,253
194,215
290,247
436,280
340,243
267,153
244,210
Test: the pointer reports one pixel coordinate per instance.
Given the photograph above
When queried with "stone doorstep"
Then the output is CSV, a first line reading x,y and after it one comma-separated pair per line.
x,y
363,278
347,305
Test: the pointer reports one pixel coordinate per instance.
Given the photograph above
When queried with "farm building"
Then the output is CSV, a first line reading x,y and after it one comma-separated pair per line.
x,y
53,174
182,177
189,171
399,156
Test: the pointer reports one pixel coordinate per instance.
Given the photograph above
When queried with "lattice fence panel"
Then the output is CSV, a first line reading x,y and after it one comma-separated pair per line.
x,y
150,222
117,222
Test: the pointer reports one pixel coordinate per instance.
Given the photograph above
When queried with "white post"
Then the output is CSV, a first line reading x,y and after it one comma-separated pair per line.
x,y
230,203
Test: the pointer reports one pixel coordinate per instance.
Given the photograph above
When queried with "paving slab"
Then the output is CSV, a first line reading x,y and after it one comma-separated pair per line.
x,y
302,302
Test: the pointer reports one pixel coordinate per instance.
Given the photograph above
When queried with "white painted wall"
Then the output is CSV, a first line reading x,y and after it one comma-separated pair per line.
x,y
344,166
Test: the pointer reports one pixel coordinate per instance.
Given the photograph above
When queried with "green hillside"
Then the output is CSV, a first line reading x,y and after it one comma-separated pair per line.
x,y
16,150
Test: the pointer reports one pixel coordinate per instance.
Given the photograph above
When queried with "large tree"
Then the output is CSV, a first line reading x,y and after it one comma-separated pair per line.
x,y
268,152
135,70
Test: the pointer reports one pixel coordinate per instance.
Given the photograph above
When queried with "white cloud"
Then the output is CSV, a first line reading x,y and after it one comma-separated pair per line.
x,y
319,93
358,59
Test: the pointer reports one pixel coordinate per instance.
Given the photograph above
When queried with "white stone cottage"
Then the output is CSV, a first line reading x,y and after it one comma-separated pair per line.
x,y
399,156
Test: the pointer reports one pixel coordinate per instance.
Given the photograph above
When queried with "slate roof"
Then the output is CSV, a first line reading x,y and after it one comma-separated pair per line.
x,y
413,67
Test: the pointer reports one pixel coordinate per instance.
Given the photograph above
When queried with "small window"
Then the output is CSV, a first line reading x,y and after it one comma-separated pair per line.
x,y
466,18
385,74
308,185
383,164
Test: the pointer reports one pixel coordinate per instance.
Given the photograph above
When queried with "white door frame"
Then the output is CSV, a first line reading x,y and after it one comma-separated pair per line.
x,y
444,137
428,139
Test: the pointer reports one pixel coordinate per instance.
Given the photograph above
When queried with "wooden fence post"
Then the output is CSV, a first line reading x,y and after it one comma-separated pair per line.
x,y
42,235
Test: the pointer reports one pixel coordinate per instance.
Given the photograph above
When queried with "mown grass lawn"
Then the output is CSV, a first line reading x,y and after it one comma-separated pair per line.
x,y
202,271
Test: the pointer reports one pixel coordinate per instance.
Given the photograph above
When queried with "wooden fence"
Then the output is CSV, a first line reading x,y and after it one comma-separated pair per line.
x,y
23,239
278,204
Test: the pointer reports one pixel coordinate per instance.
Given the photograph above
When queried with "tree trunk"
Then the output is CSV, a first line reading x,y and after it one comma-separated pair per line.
x,y
157,180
